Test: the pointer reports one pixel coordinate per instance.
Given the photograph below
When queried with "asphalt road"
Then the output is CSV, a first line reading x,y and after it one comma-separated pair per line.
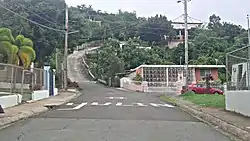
x,y
106,114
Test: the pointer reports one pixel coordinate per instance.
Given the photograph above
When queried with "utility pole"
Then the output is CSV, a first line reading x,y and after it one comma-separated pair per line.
x,y
186,42
56,59
66,48
248,70
248,29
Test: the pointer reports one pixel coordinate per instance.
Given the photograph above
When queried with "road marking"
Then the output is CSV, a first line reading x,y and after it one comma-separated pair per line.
x,y
80,106
97,104
163,105
65,109
120,104
111,97
111,93
122,89
69,104
141,104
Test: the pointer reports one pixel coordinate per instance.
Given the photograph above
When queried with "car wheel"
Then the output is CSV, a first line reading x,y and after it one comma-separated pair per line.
x,y
216,93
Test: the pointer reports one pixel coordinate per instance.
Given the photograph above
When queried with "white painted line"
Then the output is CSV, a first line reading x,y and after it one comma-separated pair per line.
x,y
80,106
161,105
69,104
97,104
141,104
122,89
120,104
111,97
65,109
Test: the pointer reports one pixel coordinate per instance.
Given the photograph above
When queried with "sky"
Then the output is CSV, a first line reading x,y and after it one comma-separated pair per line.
x,y
233,11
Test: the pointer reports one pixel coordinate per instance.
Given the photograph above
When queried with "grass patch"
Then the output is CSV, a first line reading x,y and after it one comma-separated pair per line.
x,y
168,99
205,100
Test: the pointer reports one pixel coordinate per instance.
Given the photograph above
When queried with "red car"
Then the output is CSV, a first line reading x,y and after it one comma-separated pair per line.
x,y
201,89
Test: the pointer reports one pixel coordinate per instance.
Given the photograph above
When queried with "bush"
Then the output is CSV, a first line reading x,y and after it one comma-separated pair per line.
x,y
137,77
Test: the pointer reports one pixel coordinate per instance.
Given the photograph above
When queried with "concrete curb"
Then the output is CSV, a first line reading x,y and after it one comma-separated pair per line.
x,y
8,121
210,119
77,93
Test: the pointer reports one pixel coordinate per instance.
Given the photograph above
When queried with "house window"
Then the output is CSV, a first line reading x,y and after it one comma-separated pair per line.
x,y
204,72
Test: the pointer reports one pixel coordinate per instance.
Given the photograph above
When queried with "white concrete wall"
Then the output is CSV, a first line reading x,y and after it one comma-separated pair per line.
x,y
8,85
41,94
238,101
55,91
10,100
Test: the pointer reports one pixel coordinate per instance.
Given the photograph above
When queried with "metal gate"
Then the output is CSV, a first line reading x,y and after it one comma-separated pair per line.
x,y
51,82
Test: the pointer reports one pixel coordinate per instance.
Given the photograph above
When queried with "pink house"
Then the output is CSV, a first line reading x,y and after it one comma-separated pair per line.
x,y
173,73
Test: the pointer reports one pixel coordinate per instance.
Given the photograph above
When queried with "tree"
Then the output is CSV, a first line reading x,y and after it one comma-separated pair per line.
x,y
7,47
46,12
206,44
26,53
21,48
214,22
155,29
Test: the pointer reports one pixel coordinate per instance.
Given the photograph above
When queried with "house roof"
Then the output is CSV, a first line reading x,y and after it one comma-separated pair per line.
x,y
179,23
177,66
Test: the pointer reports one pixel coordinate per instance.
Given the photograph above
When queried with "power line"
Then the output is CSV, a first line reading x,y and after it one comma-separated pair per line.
x,y
44,26
47,15
8,12
37,15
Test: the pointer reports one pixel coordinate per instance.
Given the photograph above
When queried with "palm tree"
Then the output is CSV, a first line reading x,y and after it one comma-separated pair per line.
x,y
26,53
6,45
19,51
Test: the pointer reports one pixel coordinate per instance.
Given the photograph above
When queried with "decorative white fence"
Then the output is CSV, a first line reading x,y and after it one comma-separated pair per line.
x,y
171,88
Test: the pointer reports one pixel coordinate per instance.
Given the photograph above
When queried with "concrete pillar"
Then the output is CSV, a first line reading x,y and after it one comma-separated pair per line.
x,y
225,87
54,78
46,77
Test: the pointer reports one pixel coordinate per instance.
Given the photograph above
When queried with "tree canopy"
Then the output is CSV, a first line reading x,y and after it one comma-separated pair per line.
x,y
17,50
206,43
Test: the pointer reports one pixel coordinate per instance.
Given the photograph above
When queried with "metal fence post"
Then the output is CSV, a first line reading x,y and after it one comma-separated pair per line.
x,y
12,77
248,74
22,82
227,83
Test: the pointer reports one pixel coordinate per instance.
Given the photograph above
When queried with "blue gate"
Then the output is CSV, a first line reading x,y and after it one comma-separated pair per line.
x,y
51,82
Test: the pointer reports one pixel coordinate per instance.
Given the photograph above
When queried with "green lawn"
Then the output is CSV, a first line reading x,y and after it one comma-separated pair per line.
x,y
206,100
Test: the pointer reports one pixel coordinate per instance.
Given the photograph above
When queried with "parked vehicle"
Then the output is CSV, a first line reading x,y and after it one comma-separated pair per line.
x,y
201,89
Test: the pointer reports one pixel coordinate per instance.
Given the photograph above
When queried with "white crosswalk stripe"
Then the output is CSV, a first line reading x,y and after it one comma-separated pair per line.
x,y
111,97
80,106
163,105
141,104
97,104
117,104
69,104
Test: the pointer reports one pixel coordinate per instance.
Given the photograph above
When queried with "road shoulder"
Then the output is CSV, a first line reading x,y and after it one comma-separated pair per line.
x,y
24,111
218,118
